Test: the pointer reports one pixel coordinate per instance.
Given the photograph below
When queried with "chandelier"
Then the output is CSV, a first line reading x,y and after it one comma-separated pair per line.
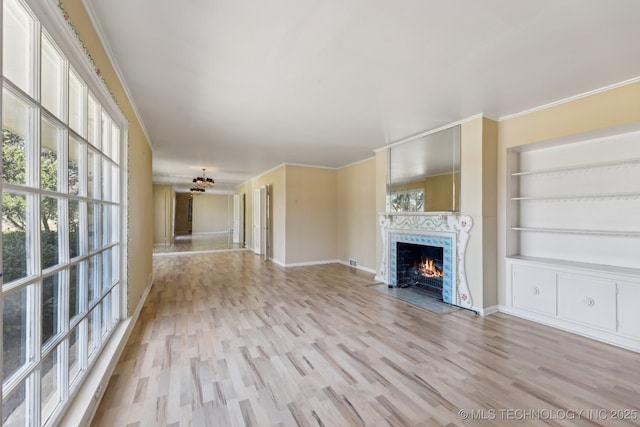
x,y
201,183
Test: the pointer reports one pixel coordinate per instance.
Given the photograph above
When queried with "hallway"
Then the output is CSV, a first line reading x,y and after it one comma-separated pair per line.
x,y
204,242
226,339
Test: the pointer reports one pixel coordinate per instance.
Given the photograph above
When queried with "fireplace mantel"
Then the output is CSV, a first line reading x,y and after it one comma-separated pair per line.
x,y
422,223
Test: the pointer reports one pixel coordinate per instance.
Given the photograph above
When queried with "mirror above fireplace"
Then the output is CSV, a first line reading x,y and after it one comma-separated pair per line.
x,y
424,173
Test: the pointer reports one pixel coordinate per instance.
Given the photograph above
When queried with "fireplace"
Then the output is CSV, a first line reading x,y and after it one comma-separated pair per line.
x,y
426,250
420,266
423,244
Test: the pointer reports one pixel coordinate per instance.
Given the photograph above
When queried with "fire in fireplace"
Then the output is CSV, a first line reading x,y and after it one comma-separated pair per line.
x,y
420,266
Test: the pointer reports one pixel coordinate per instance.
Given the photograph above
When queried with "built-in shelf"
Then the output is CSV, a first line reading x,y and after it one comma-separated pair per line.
x,y
579,167
605,269
574,236
623,233
580,196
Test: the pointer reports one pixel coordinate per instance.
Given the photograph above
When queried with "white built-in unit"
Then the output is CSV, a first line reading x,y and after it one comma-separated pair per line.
x,y
573,238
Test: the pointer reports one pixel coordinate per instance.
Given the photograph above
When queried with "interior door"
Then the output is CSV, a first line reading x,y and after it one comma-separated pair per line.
x,y
238,218
257,221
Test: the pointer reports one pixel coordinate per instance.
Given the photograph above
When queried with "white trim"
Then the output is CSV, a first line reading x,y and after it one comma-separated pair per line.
x,y
574,328
357,162
302,165
308,263
84,402
571,99
50,17
292,164
432,131
358,267
211,251
266,172
487,311
206,233
107,48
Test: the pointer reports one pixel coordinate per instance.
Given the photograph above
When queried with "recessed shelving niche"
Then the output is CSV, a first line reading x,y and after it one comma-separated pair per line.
x,y
573,238
577,201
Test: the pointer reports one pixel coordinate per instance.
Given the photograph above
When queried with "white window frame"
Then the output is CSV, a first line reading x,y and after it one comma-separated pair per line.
x,y
50,23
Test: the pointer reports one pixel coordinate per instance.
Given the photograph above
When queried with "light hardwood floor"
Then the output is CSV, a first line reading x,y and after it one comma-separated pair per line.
x,y
226,339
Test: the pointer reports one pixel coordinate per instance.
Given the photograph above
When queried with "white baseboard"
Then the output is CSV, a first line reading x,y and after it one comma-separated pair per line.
x,y
278,262
574,328
358,267
84,401
208,251
321,262
304,264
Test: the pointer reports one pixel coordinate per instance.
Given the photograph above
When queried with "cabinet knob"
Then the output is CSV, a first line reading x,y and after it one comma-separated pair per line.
x,y
535,290
589,301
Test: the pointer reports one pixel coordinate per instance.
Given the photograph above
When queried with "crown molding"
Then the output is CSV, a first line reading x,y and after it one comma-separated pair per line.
x,y
116,67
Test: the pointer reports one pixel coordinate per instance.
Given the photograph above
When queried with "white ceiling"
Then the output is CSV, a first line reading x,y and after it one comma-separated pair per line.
x,y
240,87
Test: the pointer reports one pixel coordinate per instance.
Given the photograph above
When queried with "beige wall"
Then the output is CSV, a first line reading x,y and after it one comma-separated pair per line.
x,y
182,223
309,223
477,194
163,202
275,180
603,110
382,159
356,209
212,213
311,214
139,205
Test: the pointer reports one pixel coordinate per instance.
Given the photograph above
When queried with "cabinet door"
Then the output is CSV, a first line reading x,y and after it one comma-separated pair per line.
x,y
534,289
628,312
587,300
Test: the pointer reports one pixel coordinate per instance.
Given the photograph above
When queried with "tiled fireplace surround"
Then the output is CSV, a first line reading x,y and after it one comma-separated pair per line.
x,y
443,229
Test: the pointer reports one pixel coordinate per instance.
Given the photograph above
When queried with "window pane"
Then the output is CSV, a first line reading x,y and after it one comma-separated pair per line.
x,y
115,224
106,179
15,240
49,384
51,78
106,225
74,228
15,331
106,314
51,294
93,122
115,308
77,289
18,51
115,143
75,154
50,143
14,407
115,263
106,272
49,231
77,109
74,354
94,225
93,329
95,281
115,183
106,133
16,137
94,184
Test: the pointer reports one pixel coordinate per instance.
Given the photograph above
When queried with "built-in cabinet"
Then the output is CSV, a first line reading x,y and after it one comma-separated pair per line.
x,y
573,243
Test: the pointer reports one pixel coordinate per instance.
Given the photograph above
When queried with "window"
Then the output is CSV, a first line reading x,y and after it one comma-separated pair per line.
x,y
61,239
407,201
